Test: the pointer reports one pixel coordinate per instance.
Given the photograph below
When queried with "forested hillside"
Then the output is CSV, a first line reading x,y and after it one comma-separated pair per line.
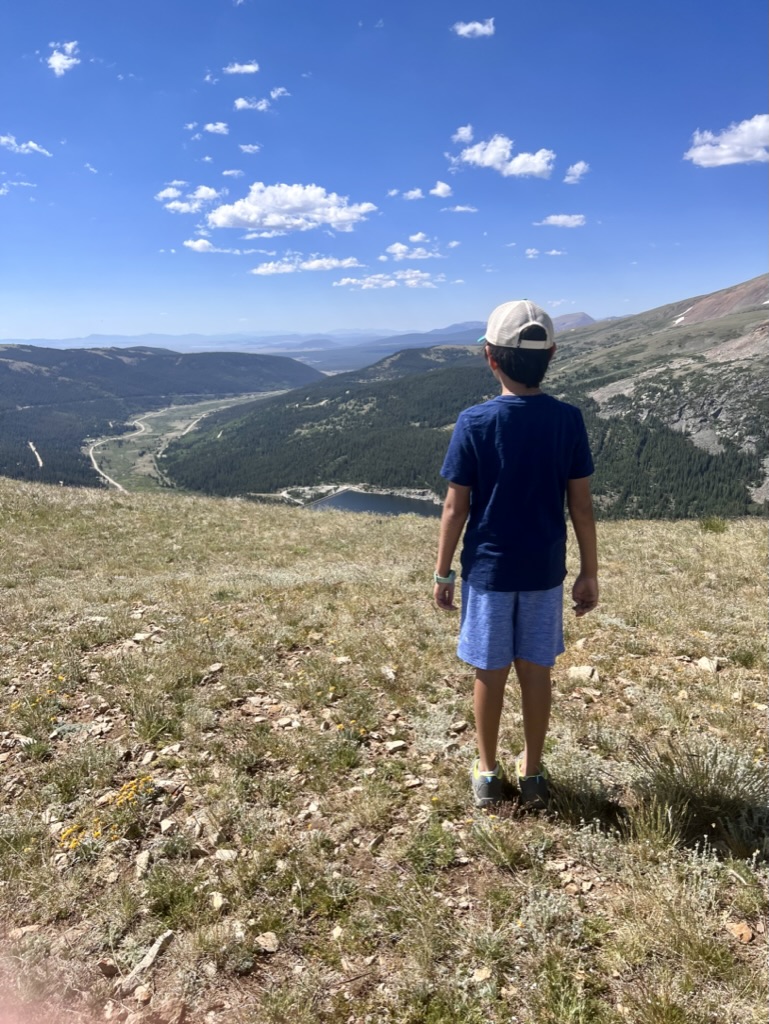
x,y
56,399
394,434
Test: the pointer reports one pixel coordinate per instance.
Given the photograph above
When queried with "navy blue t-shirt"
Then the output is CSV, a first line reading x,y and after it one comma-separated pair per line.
x,y
517,454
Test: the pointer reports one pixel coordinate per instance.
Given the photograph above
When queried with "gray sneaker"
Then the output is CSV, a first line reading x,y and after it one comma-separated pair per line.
x,y
487,786
535,789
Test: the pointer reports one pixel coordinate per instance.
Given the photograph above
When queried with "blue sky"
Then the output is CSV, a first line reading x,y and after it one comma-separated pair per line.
x,y
242,165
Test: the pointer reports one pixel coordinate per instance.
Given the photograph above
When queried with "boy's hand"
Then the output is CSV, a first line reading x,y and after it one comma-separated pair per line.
x,y
444,596
585,594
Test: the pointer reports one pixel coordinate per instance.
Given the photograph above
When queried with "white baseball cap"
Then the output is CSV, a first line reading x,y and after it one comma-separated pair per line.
x,y
509,321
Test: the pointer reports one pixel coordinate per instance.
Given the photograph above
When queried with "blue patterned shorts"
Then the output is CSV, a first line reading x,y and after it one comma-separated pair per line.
x,y
497,628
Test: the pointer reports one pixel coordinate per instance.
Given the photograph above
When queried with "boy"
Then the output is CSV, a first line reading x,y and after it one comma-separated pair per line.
x,y
510,464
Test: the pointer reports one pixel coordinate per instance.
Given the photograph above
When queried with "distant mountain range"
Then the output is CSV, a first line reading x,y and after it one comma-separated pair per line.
x,y
330,351
675,405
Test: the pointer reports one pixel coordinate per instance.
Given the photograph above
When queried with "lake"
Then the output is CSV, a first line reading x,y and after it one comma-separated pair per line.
x,y
378,504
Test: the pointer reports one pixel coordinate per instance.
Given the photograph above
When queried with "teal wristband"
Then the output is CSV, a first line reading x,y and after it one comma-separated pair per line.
x,y
445,579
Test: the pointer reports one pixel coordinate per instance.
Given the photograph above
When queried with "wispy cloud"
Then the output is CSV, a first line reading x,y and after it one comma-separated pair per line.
x,y
284,207
249,68
531,254
555,252
453,245
63,58
474,29
414,193
203,245
420,236
562,220
232,174
392,192
576,172
463,134
217,128
91,168
250,147
459,209
246,103
406,278
6,186
296,264
9,142
442,190
497,154
279,92
743,143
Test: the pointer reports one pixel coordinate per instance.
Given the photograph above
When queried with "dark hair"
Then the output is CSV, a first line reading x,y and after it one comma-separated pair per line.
x,y
525,365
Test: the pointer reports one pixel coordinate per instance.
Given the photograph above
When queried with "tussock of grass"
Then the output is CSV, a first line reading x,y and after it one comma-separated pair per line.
x,y
195,702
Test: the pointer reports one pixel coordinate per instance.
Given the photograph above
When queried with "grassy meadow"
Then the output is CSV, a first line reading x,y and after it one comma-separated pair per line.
x,y
246,726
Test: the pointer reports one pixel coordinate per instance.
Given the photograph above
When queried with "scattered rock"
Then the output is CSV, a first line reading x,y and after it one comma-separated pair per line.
x,y
107,967
337,932
142,863
226,856
708,664
741,931
388,672
168,826
143,994
395,745
458,727
170,1011
130,983
27,929
219,901
375,843
412,783
584,673
481,974
268,942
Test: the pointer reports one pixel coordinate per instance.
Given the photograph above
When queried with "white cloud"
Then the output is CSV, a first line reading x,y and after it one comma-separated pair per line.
x,y
217,128
531,254
555,252
459,209
295,264
399,251
234,68
190,126
576,172
210,78
178,183
206,159
743,143
463,134
562,220
414,193
474,29
250,147
242,103
442,190
91,168
203,245
453,245
392,192
63,58
407,278
279,92
194,201
420,236
497,154
285,207
9,142
6,186
510,245
232,174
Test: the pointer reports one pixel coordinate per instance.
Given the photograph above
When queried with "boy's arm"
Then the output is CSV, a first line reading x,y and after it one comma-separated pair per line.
x,y
580,504
455,510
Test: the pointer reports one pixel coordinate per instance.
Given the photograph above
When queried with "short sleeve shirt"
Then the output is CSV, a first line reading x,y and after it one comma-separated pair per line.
x,y
517,454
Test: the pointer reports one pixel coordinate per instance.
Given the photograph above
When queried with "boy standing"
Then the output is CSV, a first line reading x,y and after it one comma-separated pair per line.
x,y
510,464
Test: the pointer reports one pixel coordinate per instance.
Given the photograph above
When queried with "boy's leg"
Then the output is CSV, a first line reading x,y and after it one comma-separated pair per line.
x,y
536,698
489,696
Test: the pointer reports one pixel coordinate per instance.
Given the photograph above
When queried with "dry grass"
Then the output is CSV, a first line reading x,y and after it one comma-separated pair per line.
x,y
195,701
